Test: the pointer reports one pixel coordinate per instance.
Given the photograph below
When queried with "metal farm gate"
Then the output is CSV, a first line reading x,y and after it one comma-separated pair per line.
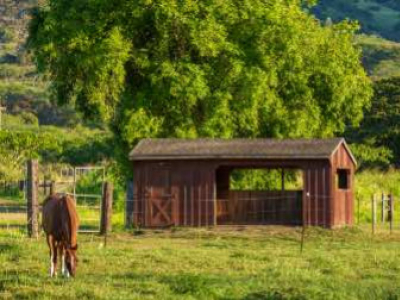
x,y
20,201
86,185
13,206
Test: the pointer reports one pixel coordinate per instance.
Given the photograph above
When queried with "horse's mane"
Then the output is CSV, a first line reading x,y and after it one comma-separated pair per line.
x,y
72,219
50,197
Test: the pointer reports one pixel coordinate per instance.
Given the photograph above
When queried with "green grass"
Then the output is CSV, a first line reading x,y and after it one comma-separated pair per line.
x,y
250,263
255,263
376,182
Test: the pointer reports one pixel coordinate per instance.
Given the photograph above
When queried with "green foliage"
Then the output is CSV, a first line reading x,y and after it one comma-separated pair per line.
x,y
17,147
75,146
83,146
380,130
371,155
210,68
265,180
375,181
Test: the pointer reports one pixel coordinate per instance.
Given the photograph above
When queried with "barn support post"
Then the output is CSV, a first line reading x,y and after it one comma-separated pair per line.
x,y
185,213
305,224
215,206
106,208
32,198
206,199
199,201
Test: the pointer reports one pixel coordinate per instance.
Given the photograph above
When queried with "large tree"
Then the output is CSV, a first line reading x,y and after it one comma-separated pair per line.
x,y
378,137
187,68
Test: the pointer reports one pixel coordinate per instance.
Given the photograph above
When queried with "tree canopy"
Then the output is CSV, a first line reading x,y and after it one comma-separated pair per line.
x,y
216,68
379,134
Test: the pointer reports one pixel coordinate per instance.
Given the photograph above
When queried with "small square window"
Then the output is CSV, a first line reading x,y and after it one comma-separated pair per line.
x,y
343,178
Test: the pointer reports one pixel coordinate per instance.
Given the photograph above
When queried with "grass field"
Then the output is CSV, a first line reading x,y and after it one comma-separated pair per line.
x,y
251,263
226,263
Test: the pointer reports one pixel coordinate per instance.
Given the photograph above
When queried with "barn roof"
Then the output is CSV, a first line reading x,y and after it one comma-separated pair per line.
x,y
178,149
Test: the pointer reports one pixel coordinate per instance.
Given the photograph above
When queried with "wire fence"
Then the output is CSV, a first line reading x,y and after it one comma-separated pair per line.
x,y
14,210
194,208
197,208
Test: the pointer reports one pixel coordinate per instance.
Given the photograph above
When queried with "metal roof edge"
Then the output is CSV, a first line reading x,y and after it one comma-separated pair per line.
x,y
198,157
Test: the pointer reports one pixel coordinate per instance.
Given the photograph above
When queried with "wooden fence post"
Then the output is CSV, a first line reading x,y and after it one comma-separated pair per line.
x,y
358,209
373,204
383,208
32,198
53,188
106,208
391,215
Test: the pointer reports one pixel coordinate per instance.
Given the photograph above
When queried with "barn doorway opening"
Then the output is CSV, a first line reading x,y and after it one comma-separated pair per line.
x,y
258,196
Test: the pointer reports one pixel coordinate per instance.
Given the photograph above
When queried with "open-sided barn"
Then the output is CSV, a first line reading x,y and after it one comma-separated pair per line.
x,y
186,182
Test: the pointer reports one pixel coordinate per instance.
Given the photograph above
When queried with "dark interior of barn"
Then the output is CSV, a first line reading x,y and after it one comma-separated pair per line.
x,y
279,204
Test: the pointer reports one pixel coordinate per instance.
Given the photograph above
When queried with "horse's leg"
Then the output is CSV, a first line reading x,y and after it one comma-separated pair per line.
x,y
63,258
53,254
54,258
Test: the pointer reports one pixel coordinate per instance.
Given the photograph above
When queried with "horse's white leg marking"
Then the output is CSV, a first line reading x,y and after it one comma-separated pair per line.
x,y
63,264
64,268
51,266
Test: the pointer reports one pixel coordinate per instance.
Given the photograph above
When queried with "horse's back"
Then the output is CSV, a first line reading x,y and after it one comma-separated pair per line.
x,y
59,212
51,214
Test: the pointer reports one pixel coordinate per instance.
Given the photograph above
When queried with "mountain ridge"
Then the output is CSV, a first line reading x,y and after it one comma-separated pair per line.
x,y
376,17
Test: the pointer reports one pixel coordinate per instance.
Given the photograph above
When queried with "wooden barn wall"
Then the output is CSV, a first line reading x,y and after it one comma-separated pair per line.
x,y
139,194
317,210
189,184
194,185
343,200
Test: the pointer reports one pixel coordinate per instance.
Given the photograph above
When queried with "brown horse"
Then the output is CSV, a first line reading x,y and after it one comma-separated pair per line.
x,y
60,223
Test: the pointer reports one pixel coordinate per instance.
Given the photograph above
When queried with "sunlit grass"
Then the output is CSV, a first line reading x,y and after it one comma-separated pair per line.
x,y
222,263
254,263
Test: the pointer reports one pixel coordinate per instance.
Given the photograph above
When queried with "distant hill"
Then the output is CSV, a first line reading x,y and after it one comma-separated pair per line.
x,y
377,17
22,91
381,57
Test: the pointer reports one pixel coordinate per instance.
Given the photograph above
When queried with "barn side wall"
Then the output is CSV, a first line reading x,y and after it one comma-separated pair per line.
x,y
194,185
317,195
343,199
189,184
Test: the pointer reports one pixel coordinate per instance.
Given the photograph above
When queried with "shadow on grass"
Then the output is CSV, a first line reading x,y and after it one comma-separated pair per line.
x,y
269,295
194,284
6,247
15,227
182,284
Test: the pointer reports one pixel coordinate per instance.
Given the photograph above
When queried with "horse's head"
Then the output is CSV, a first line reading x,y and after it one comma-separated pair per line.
x,y
71,259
